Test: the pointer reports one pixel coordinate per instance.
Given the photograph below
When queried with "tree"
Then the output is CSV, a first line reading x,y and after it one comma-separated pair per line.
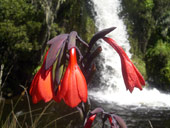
x,y
20,28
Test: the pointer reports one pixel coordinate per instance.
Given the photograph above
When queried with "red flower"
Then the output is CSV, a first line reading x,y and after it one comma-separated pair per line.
x,y
41,86
73,86
131,75
90,121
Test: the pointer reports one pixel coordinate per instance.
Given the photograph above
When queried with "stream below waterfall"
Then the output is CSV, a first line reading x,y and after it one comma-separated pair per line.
x,y
137,117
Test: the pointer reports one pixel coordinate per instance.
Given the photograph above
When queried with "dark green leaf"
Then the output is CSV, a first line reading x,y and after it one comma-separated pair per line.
x,y
99,35
120,121
72,40
54,70
57,38
59,74
56,44
82,41
59,68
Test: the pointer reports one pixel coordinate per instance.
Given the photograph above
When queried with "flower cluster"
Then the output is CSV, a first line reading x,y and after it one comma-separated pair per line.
x,y
42,86
73,89
114,120
61,76
131,75
74,86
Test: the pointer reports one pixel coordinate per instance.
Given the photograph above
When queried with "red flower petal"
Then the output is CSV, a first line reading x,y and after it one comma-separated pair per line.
x,y
82,85
142,81
131,75
45,88
72,98
73,85
41,87
90,121
33,89
64,83
34,82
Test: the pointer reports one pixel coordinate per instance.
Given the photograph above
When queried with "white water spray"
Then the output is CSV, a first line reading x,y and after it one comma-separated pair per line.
x,y
107,16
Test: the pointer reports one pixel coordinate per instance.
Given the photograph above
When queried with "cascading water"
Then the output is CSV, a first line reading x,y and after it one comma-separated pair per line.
x,y
113,88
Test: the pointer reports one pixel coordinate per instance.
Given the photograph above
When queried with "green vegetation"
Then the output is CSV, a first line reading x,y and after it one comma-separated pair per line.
x,y
20,29
148,24
158,62
25,27
140,64
76,16
19,112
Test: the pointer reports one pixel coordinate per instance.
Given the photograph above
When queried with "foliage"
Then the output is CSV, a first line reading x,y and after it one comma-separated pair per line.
x,y
140,64
148,24
140,21
25,26
76,17
20,28
158,62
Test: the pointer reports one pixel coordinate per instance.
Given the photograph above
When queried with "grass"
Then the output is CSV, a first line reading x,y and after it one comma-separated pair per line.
x,y
21,113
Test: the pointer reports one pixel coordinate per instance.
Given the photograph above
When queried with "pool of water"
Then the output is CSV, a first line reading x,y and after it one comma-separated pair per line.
x,y
137,116
59,115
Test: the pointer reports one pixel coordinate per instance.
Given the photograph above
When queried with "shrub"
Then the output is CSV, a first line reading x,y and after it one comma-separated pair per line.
x,y
158,62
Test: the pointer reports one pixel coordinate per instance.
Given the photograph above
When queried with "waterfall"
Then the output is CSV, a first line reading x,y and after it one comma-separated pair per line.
x,y
113,88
